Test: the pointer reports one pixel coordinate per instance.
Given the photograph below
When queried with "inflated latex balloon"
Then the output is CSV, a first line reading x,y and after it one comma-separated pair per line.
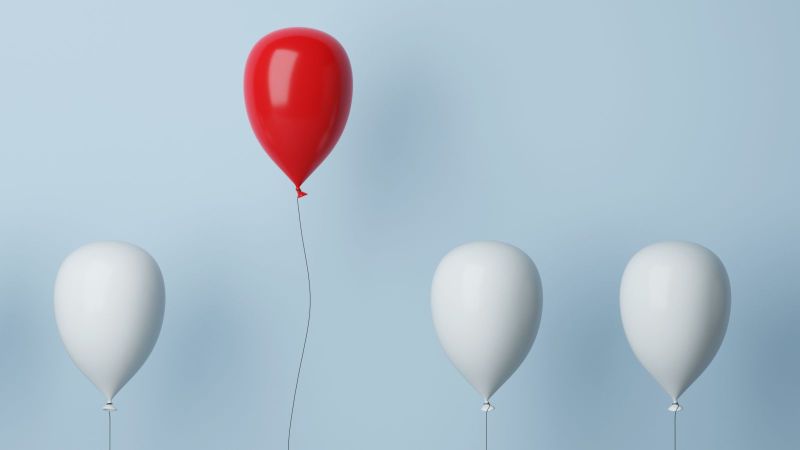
x,y
486,301
297,88
109,307
675,304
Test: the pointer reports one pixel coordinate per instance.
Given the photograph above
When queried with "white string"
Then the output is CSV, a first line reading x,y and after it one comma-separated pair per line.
x,y
486,430
675,430
109,430
675,408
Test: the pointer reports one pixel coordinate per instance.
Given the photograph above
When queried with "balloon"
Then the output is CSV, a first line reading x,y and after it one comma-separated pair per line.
x,y
675,300
297,88
109,306
486,301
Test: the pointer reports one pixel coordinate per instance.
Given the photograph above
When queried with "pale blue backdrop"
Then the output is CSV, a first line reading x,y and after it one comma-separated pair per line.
x,y
579,131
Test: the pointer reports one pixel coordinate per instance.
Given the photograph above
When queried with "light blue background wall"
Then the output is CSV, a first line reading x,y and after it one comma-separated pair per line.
x,y
578,130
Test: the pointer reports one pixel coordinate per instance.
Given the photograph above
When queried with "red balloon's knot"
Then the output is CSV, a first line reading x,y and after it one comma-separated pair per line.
x,y
300,194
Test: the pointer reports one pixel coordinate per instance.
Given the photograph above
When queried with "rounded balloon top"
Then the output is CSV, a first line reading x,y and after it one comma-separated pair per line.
x,y
486,301
298,86
675,306
109,307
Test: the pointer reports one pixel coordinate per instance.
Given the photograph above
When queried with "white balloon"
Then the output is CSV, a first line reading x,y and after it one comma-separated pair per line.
x,y
675,304
109,307
486,301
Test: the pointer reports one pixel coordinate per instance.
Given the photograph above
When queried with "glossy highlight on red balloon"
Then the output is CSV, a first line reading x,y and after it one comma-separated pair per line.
x,y
298,86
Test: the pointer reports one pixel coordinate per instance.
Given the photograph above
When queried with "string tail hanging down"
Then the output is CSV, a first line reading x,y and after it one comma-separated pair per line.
x,y
486,408
675,408
308,322
109,408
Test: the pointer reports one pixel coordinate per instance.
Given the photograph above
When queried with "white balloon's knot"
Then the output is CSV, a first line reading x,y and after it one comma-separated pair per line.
x,y
486,407
109,407
675,407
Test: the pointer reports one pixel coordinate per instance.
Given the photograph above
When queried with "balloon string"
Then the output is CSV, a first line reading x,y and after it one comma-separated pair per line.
x,y
109,430
486,430
675,430
308,324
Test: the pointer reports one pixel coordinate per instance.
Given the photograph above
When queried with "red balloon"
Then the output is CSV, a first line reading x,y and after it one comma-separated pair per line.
x,y
297,87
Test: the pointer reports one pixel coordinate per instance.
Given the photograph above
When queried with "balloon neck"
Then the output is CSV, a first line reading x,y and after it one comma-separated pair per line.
x,y
675,407
300,194
486,407
109,407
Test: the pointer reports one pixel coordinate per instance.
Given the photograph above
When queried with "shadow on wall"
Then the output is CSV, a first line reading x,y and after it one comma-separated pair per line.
x,y
202,356
407,124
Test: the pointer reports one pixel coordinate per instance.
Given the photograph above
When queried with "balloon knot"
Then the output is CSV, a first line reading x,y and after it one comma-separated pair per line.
x,y
109,407
486,407
675,407
300,194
